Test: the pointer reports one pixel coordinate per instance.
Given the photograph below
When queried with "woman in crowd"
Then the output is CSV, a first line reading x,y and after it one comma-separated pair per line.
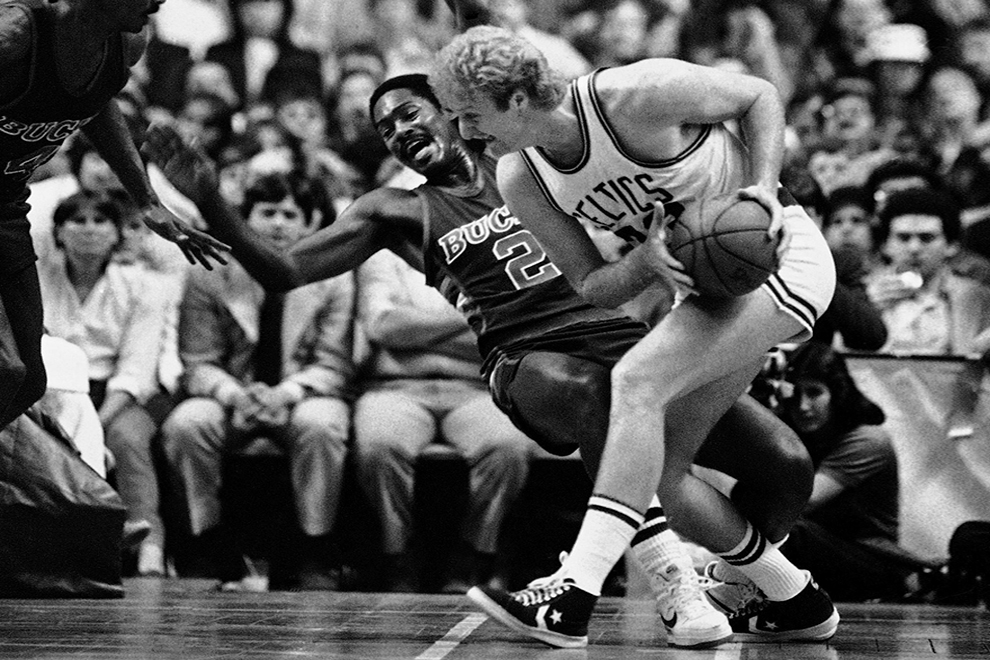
x,y
111,311
848,534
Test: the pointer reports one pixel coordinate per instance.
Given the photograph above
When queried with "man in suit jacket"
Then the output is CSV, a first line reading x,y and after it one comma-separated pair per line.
x,y
240,385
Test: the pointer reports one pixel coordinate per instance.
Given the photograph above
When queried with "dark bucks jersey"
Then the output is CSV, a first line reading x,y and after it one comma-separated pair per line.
x,y
35,122
493,270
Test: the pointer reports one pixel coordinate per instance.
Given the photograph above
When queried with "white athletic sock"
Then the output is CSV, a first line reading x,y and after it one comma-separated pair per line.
x,y
655,544
766,566
726,572
605,533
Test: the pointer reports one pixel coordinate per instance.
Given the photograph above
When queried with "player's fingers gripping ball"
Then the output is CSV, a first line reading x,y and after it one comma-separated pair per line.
x,y
724,245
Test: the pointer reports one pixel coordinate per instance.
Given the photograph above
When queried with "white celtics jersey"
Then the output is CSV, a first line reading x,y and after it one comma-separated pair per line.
x,y
615,191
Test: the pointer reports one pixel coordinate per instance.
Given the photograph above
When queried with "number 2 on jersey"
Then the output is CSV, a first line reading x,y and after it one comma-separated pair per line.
x,y
528,265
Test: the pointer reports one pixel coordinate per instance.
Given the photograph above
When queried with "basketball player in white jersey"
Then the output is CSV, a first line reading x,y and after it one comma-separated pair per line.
x,y
628,149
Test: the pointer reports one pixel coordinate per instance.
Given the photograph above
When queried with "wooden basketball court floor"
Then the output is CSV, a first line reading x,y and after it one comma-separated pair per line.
x,y
183,619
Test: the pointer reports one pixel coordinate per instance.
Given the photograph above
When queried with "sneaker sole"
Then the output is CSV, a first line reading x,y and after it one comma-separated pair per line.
x,y
700,639
819,633
559,640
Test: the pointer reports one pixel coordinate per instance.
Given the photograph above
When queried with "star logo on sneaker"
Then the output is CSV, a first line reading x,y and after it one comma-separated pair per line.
x,y
757,625
556,616
671,622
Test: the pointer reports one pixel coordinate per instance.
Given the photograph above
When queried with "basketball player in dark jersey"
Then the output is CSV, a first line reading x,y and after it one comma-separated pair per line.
x,y
60,66
547,353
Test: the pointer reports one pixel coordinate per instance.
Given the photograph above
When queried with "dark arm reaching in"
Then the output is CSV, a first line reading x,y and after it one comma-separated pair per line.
x,y
385,218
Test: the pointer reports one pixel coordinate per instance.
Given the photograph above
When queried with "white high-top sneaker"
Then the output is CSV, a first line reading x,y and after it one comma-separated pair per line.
x,y
690,620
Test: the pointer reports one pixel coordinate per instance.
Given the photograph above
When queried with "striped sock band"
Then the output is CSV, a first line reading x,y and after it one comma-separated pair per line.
x,y
766,566
656,546
752,545
654,523
617,509
607,529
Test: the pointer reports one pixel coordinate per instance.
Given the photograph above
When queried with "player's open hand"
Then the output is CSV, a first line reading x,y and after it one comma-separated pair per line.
x,y
198,247
767,198
661,260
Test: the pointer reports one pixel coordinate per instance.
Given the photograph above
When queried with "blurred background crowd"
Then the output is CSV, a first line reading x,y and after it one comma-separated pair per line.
x,y
887,145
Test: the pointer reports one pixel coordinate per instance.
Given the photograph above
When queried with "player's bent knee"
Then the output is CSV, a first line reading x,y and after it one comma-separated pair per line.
x,y
565,399
635,383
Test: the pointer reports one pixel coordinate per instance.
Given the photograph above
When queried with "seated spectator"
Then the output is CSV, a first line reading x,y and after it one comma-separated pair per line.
x,y
212,78
112,311
259,42
901,173
233,166
952,117
853,513
851,321
973,45
166,66
422,385
848,223
958,137
253,370
899,56
910,173
362,55
351,134
928,308
300,113
747,36
514,15
850,147
408,37
207,118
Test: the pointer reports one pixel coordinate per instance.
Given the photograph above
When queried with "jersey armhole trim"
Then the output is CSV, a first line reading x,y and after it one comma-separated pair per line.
x,y
540,182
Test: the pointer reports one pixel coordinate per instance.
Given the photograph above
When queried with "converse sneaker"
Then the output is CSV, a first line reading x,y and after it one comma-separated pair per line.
x,y
690,620
809,616
732,597
553,610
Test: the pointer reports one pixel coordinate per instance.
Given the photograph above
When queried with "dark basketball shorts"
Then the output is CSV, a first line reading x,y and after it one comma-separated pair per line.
x,y
602,342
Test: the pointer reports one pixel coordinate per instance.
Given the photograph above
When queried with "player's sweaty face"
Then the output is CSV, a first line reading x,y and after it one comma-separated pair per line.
x,y
413,129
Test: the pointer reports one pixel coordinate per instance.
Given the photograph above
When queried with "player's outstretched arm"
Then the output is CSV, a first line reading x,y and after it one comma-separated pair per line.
x,y
385,218
109,135
195,176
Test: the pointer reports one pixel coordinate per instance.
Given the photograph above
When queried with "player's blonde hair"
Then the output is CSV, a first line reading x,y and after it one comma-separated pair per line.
x,y
494,62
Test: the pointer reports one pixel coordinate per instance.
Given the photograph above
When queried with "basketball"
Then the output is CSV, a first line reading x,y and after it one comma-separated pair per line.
x,y
724,246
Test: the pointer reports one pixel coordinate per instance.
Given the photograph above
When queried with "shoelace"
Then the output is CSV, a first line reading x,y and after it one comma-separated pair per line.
x,y
749,596
541,594
747,592
683,592
753,606
556,577
545,588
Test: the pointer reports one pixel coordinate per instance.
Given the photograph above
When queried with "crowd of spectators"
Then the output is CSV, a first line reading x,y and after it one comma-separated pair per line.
x,y
888,146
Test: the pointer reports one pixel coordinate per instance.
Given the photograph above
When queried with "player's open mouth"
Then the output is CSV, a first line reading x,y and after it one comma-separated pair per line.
x,y
419,149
